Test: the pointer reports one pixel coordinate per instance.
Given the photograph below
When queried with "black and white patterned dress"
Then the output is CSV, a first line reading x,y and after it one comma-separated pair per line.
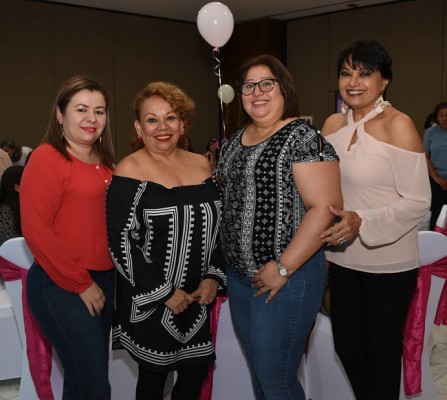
x,y
262,206
161,239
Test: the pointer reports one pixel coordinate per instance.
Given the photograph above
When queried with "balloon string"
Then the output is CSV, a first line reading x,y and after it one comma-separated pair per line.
x,y
219,76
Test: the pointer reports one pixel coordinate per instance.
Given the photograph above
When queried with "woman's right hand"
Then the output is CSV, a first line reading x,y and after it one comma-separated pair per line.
x,y
179,301
441,182
94,299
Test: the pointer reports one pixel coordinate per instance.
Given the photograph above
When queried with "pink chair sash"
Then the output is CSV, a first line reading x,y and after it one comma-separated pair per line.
x,y
207,387
38,347
441,230
415,324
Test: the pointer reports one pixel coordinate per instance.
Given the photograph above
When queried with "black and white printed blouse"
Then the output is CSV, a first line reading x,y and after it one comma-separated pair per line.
x,y
262,208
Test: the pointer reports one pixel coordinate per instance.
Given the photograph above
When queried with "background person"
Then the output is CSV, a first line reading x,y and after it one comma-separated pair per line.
x,y
374,254
276,202
5,161
212,153
17,154
10,226
435,147
163,215
70,286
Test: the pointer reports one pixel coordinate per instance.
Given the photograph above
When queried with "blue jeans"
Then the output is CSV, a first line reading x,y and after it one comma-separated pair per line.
x,y
80,340
274,335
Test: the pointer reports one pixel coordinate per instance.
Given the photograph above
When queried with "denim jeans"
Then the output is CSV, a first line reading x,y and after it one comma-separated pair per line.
x,y
80,340
273,335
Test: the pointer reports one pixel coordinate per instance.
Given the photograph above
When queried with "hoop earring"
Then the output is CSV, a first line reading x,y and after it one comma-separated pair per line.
x,y
61,127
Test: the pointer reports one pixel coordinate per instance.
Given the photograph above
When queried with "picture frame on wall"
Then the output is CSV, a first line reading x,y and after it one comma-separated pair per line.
x,y
308,118
338,102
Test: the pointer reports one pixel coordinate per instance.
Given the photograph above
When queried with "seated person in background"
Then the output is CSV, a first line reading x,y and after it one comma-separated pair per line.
x,y
5,161
9,203
17,154
185,143
212,153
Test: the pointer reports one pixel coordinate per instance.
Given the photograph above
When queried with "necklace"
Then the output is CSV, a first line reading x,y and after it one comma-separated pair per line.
x,y
258,138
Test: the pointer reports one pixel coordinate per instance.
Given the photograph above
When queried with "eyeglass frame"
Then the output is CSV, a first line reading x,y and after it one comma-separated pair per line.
x,y
257,84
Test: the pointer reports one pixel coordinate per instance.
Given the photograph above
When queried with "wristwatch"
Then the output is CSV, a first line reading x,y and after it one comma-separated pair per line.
x,y
281,269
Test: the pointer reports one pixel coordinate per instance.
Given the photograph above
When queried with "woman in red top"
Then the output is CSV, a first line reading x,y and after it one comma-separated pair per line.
x,y
70,285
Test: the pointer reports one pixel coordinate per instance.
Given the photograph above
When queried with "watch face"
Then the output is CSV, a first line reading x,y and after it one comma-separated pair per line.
x,y
283,272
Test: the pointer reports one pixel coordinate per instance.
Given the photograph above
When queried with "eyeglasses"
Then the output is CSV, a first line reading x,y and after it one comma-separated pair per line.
x,y
265,85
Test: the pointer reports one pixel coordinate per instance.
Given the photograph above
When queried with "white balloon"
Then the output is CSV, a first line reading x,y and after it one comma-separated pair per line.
x,y
215,23
226,93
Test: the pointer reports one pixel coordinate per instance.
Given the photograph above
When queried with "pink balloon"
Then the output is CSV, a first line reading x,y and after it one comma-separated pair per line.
x,y
215,23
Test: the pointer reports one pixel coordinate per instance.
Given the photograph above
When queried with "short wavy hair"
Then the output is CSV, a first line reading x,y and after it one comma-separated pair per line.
x,y
180,102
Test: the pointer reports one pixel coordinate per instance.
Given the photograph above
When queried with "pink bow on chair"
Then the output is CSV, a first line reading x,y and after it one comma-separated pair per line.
x,y
207,387
38,347
415,324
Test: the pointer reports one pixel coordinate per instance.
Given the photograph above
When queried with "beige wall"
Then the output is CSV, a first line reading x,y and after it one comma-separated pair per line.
x,y
42,44
415,34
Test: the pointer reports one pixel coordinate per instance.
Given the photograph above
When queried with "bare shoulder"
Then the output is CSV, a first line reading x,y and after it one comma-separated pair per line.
x,y
196,159
401,131
127,166
333,123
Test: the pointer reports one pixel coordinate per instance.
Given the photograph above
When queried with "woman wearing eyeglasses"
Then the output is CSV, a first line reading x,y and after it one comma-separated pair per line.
x,y
279,178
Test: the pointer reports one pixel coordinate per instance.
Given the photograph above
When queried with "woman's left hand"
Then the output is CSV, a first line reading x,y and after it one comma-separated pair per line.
x,y
346,229
267,278
206,292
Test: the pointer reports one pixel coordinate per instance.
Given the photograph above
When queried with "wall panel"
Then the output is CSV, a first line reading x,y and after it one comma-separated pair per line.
x,y
27,70
415,34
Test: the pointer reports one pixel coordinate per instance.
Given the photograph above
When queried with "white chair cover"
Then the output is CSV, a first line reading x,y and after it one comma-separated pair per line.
x,y
231,375
16,251
123,371
432,247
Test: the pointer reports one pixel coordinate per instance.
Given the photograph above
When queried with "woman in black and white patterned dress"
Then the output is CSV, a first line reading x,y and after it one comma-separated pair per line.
x,y
163,216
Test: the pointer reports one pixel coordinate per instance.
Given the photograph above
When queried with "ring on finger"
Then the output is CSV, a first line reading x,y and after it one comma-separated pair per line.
x,y
207,303
341,240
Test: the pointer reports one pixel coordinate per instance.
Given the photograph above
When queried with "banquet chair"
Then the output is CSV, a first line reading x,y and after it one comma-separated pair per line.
x,y
231,365
10,343
123,371
432,247
326,378
16,251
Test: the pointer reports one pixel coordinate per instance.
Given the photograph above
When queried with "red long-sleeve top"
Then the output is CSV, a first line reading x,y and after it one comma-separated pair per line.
x,y
62,207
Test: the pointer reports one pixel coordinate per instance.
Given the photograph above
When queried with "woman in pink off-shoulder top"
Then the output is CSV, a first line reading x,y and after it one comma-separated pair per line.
x,y
373,248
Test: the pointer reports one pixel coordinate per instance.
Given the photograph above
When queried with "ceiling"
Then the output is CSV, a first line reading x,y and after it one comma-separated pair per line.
x,y
242,10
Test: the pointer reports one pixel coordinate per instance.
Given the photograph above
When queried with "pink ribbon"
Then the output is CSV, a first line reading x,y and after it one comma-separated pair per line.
x,y
38,347
207,387
441,230
415,325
